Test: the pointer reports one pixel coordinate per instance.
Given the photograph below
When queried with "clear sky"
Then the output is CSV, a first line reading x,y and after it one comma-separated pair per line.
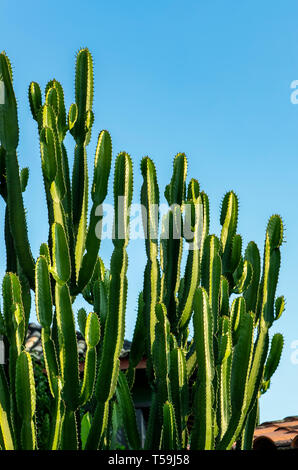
x,y
208,78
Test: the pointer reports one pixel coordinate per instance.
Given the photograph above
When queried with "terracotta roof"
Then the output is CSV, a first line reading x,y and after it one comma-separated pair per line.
x,y
279,435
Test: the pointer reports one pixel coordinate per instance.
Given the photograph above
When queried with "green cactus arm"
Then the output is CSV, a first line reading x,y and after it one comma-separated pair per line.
x,y
69,432
48,120
273,241
98,425
114,324
66,203
224,339
57,419
68,347
179,393
44,251
224,396
273,356
83,93
52,159
245,377
150,200
193,190
98,276
211,274
279,307
114,328
82,318
235,254
26,399
79,182
102,167
242,277
116,424
252,255
5,420
192,269
9,129
35,99
171,255
161,354
81,131
137,348
152,440
172,243
206,221
228,220
151,296
24,177
19,322
191,359
55,86
17,218
26,295
224,297
109,365
92,336
12,297
85,428
72,116
11,256
125,401
242,358
43,293
61,266
14,319
237,310
123,188
80,211
100,303
51,362
177,188
225,357
203,432
169,430
28,435
52,98
250,426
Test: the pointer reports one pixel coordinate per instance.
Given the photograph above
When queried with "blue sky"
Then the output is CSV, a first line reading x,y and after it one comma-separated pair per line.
x,y
211,79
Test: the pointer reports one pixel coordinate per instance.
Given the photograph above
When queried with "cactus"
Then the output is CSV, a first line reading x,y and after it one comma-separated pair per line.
x,y
114,325
67,265
9,137
216,378
25,395
226,359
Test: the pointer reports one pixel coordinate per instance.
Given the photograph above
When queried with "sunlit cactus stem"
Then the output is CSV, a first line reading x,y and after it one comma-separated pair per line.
x,y
9,138
114,325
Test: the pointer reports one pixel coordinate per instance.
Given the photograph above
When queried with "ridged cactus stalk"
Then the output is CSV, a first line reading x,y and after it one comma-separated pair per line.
x,y
205,390
204,328
17,388
67,265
